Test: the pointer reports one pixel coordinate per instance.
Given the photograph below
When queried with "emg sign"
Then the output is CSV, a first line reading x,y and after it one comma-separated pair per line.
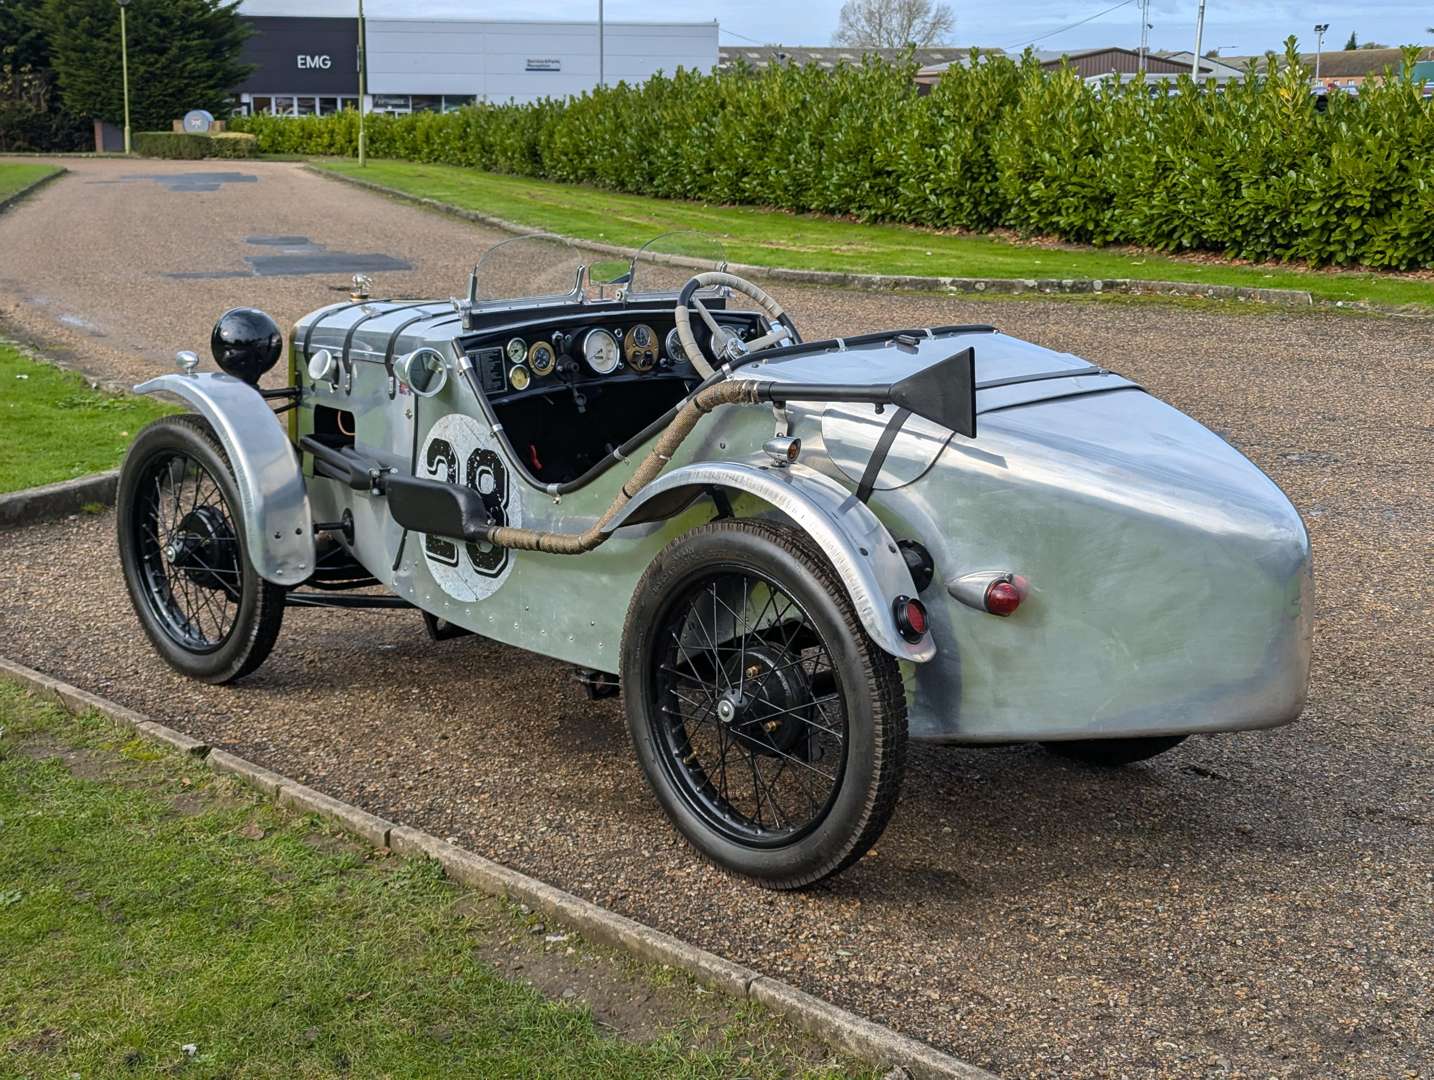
x,y
315,63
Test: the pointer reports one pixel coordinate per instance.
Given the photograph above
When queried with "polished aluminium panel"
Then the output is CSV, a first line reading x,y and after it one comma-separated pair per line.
x,y
851,537
274,504
1169,580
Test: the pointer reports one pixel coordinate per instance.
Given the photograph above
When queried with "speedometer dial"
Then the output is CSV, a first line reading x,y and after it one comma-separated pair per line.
x,y
517,350
601,352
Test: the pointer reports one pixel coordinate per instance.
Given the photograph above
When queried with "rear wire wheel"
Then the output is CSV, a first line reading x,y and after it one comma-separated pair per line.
x,y
769,724
181,541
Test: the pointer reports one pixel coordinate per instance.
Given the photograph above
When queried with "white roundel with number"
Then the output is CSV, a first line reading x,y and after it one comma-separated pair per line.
x,y
460,450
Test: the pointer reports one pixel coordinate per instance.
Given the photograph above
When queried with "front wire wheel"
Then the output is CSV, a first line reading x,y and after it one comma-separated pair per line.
x,y
771,727
198,597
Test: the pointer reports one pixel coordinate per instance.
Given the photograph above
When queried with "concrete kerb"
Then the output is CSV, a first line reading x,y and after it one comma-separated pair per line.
x,y
844,1030
57,500
29,189
874,282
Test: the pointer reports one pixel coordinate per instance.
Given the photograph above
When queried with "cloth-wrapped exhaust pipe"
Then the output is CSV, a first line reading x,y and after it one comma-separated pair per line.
x,y
738,392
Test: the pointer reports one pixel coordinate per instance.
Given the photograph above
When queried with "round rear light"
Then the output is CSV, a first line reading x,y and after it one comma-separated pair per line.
x,y
1002,598
911,619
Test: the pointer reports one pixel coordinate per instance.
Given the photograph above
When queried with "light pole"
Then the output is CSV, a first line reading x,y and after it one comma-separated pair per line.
x,y
1320,29
1144,32
600,45
363,89
124,69
1199,33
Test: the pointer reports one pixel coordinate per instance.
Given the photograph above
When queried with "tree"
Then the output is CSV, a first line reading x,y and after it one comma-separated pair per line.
x,y
893,24
1352,43
22,42
183,54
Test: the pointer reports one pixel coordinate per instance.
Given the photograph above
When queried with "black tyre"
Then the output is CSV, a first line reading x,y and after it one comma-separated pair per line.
x,y
770,726
1112,753
181,542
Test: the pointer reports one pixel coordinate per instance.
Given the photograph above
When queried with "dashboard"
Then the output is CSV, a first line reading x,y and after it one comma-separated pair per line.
x,y
571,386
560,353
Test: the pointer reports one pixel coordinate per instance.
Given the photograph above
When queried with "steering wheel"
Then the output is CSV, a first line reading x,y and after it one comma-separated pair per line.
x,y
727,346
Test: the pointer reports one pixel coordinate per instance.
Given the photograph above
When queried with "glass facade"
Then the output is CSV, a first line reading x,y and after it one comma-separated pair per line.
x,y
297,104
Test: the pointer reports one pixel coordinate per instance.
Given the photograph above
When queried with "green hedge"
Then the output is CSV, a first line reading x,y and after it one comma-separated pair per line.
x,y
1253,170
183,145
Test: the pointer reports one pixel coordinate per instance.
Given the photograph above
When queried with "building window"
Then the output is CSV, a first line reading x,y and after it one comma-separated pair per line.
x,y
427,103
457,101
392,104
261,104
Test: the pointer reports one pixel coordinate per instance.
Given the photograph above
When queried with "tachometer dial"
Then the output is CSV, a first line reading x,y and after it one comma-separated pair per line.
x,y
640,345
673,347
541,358
517,350
601,352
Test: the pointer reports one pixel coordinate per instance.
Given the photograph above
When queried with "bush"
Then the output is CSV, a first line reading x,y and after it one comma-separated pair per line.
x,y
1252,169
186,146
233,144
179,145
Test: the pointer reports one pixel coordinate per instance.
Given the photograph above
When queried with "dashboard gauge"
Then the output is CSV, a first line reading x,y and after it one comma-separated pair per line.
x,y
601,352
518,377
673,347
517,350
541,358
640,346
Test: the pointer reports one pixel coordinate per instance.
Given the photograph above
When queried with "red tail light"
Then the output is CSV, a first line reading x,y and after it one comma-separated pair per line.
x,y
1002,598
910,617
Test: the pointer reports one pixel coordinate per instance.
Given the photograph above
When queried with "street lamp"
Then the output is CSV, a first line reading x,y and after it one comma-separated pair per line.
x,y
1320,29
363,88
124,68
1199,33
600,45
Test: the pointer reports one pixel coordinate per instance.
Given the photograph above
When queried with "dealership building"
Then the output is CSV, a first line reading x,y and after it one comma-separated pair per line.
x,y
306,53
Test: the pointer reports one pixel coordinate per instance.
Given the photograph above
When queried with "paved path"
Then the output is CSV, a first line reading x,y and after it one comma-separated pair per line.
x,y
1252,905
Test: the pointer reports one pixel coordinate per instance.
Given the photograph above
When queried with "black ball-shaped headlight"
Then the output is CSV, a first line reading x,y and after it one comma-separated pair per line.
x,y
246,343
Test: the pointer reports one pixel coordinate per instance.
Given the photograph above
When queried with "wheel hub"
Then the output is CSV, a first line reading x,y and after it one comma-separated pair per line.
x,y
768,701
205,549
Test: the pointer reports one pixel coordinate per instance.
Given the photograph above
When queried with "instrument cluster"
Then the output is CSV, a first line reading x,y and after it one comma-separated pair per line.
x,y
542,359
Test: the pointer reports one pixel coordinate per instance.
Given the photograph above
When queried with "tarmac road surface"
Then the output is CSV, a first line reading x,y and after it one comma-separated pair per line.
x,y
1250,905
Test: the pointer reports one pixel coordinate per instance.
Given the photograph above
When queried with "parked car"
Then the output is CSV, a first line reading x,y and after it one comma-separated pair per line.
x,y
792,555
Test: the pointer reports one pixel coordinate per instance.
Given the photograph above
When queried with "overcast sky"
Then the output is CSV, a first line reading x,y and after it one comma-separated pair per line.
x,y
1233,26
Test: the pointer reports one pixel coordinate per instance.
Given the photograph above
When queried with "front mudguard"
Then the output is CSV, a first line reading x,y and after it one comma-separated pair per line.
x,y
853,539
274,502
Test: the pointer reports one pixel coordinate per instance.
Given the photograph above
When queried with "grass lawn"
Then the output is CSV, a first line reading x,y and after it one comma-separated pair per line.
x,y
810,242
56,427
14,177
159,919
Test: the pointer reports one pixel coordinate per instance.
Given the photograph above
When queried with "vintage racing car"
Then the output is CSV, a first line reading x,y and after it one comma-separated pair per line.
x,y
792,554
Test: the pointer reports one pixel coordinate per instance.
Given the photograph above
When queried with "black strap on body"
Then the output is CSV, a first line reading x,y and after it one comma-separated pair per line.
x,y
309,333
1042,376
398,332
878,454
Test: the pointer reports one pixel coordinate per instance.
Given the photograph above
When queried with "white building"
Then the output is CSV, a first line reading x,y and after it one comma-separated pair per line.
x,y
306,57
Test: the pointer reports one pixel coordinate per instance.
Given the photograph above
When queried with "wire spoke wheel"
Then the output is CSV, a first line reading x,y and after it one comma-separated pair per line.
x,y
181,541
750,710
190,564
771,727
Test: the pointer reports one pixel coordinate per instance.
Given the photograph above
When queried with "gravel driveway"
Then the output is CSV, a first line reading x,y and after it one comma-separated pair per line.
x,y
1249,905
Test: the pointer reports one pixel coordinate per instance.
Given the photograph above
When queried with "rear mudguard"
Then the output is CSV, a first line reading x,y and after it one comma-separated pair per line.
x,y
273,500
852,538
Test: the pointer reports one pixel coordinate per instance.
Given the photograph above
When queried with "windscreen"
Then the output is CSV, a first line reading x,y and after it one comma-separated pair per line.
x,y
533,267
666,262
